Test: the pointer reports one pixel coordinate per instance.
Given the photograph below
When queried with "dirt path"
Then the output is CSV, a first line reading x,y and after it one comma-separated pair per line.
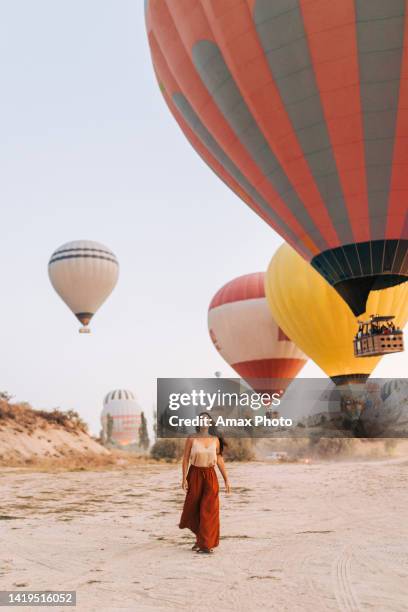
x,y
295,538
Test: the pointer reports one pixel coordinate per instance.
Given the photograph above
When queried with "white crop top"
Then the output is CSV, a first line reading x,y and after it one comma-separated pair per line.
x,y
201,456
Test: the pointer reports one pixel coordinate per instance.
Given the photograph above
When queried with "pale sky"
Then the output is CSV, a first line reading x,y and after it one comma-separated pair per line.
x,y
89,150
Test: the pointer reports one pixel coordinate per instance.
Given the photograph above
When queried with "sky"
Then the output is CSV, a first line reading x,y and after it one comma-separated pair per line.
x,y
89,150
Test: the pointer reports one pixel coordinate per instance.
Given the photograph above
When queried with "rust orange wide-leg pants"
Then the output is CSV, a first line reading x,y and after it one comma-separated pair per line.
x,y
201,512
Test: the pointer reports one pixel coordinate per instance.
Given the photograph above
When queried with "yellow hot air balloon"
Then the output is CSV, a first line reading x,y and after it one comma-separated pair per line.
x,y
317,320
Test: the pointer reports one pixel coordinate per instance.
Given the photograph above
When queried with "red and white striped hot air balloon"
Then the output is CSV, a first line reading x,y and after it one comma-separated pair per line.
x,y
244,333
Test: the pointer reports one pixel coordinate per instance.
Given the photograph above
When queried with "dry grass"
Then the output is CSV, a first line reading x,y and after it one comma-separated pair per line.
x,y
115,460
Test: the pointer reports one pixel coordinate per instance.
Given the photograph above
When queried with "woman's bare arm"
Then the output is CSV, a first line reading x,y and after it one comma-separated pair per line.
x,y
186,461
223,469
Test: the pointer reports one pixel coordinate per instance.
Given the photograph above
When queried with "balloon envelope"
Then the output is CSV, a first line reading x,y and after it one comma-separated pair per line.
x,y
244,333
83,273
302,109
314,316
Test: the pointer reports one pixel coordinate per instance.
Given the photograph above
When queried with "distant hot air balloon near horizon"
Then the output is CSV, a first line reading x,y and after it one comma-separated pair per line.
x,y
301,108
84,274
121,406
394,385
311,313
246,336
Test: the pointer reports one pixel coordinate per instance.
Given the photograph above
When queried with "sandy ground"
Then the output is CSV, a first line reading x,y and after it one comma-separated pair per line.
x,y
294,537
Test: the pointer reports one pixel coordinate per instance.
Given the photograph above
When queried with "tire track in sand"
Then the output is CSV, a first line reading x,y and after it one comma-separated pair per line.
x,y
343,588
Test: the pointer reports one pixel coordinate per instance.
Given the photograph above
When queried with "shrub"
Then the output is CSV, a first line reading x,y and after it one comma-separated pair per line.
x,y
239,449
326,448
5,396
390,445
169,449
25,415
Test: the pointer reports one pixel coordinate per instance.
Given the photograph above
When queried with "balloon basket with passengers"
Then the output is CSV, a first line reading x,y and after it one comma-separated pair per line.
x,y
378,336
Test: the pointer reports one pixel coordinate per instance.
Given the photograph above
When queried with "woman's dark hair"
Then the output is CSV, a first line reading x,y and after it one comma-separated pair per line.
x,y
213,431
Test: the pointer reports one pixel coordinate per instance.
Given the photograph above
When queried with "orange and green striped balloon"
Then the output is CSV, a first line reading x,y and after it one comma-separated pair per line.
x,y
301,107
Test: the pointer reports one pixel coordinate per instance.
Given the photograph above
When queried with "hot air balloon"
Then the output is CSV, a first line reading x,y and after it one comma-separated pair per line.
x,y
301,108
392,386
121,409
314,316
84,274
244,333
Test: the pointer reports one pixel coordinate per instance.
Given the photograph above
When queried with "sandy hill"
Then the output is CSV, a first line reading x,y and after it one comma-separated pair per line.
x,y
28,436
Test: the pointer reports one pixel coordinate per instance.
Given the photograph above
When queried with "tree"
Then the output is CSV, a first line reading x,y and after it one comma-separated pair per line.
x,y
155,422
144,441
109,427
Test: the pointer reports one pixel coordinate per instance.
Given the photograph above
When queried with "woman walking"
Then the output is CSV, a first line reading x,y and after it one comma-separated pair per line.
x,y
201,507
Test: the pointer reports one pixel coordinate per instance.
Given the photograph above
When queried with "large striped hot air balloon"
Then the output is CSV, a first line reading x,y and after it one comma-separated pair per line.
x,y
121,417
314,316
84,274
301,107
244,333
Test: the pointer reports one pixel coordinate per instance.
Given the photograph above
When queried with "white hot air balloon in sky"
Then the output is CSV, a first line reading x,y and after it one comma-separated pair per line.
x,y
122,407
84,274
